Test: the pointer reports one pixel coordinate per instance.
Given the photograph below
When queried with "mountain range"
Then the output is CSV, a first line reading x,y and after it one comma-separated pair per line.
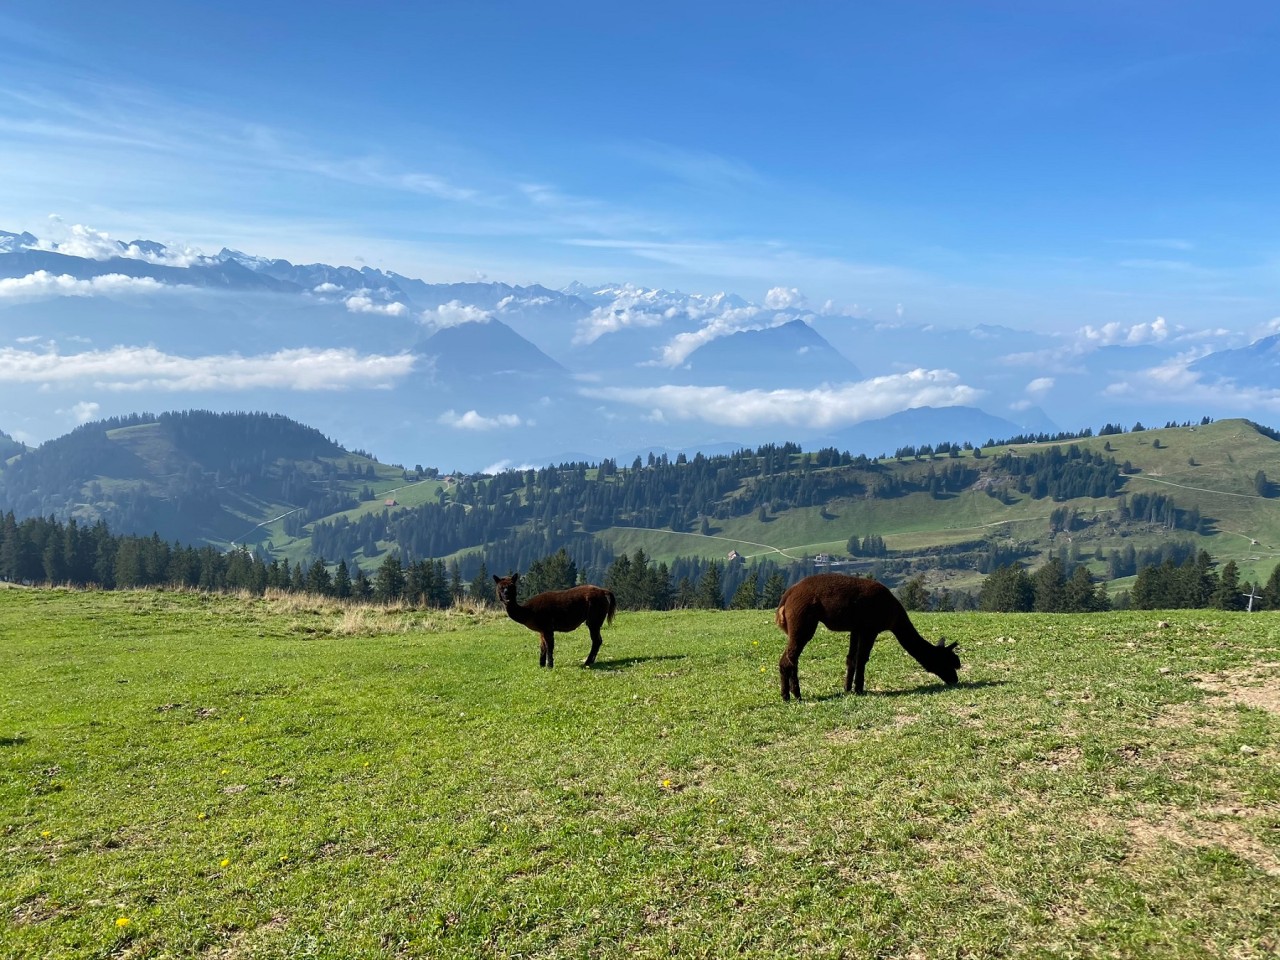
x,y
485,374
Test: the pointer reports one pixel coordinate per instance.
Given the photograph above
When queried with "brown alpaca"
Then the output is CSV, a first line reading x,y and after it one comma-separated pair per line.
x,y
559,610
865,608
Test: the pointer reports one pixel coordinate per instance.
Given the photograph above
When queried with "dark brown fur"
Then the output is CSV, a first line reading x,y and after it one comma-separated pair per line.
x,y
865,608
559,611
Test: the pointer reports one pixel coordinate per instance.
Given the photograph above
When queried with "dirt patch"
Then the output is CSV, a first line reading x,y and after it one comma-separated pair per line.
x,y
1229,832
1257,687
244,943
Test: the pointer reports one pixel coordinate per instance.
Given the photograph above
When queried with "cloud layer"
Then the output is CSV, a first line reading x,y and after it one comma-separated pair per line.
x,y
821,408
146,368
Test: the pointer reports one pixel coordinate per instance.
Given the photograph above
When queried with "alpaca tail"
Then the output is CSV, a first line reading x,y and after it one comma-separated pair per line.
x,y
613,607
780,618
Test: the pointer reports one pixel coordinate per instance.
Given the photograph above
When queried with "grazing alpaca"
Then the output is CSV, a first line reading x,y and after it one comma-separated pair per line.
x,y
863,607
559,610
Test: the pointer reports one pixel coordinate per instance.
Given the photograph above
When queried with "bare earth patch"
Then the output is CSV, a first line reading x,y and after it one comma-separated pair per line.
x,y
1257,687
1228,832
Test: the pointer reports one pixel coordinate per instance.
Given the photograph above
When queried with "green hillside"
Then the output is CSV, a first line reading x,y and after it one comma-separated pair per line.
x,y
1210,468
948,513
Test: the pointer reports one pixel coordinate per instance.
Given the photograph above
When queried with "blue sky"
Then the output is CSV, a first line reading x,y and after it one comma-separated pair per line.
x,y
1042,165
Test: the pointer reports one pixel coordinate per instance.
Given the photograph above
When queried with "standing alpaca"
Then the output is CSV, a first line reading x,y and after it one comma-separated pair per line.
x,y
558,610
863,607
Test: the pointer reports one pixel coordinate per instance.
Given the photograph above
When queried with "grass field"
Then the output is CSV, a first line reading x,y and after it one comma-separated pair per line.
x,y
195,776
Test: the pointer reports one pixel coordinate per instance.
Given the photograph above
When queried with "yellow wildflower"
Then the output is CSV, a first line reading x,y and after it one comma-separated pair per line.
x,y
123,922
225,862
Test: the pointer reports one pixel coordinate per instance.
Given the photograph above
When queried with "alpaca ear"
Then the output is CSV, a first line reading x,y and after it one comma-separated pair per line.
x,y
952,645
496,578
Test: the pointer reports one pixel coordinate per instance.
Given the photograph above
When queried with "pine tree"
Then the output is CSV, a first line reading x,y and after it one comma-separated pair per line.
x,y
342,581
1049,584
389,581
480,589
1228,595
710,593
914,594
774,588
747,596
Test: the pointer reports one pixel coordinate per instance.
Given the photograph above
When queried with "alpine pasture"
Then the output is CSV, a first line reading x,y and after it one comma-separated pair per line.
x,y
187,775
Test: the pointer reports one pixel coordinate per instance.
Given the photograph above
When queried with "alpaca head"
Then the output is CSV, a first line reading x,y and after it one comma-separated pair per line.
x,y
506,587
945,662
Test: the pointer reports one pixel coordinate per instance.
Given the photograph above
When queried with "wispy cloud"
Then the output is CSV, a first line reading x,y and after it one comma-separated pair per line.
x,y
1174,378
699,167
43,284
821,408
146,368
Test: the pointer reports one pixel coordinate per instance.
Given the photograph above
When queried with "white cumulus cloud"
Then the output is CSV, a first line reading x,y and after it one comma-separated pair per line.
x,y
363,304
124,368
453,314
1111,334
1040,386
84,411
78,240
784,298
472,420
824,407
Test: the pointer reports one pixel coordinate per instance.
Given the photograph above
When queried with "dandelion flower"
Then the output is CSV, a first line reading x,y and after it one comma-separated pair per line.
x,y
666,784
225,862
242,719
762,669
123,922
46,834
200,815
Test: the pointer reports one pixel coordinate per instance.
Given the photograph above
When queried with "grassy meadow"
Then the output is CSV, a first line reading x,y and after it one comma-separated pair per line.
x,y
197,776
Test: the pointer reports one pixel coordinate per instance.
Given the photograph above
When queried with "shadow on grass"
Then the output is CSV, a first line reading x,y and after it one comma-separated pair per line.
x,y
12,741
925,689
622,663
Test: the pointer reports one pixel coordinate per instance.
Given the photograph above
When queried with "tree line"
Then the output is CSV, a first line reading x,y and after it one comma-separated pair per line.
x,y
47,551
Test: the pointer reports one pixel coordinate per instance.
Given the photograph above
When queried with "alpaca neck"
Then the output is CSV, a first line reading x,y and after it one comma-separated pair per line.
x,y
518,613
920,649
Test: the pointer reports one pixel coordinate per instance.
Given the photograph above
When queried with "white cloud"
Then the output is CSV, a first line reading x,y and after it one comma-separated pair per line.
x,y
1174,378
502,466
1040,386
326,287
472,420
617,316
90,244
453,314
826,407
784,298
146,368
733,320
1111,334
362,304
43,284
84,411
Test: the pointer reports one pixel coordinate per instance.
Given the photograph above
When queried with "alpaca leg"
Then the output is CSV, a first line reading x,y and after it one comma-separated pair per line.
x,y
789,664
864,644
596,640
551,649
542,650
851,663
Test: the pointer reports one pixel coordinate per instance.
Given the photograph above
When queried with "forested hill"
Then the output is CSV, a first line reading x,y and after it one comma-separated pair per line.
x,y
949,512
9,447
196,476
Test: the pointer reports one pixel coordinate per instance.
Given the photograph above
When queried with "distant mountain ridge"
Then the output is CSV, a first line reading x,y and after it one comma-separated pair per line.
x,y
454,372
